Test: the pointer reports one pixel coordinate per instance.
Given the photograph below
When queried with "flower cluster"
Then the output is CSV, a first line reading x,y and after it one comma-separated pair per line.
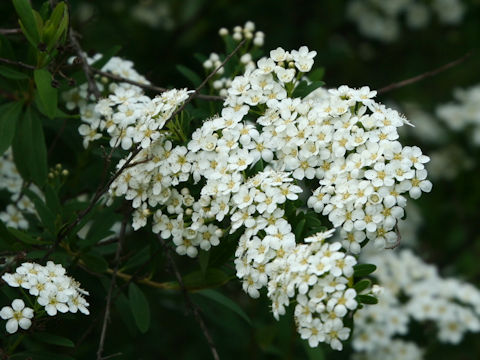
x,y
316,274
126,114
245,32
464,114
12,181
248,163
413,290
381,20
52,287
220,83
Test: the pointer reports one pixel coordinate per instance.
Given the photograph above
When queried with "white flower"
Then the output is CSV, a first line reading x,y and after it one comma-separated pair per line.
x,y
17,315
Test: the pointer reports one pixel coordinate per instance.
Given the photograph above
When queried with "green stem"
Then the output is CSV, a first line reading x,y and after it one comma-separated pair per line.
x,y
15,344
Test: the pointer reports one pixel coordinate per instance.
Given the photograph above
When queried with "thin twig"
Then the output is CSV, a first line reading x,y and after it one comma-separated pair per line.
x,y
106,318
10,31
399,239
99,193
17,63
112,356
92,85
125,80
188,300
424,75
155,88
204,82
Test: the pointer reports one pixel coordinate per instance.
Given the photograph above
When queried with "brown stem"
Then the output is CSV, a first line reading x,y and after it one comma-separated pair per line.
x,y
17,63
10,31
192,95
92,85
106,317
155,88
425,75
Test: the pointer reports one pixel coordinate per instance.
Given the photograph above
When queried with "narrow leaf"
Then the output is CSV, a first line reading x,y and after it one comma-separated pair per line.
x,y
367,299
94,262
317,74
10,73
48,94
24,237
362,285
54,339
225,301
303,88
27,19
9,116
29,150
46,216
361,270
190,75
140,307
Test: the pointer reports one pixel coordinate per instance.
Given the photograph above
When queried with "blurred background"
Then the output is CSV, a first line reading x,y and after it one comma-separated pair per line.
x,y
370,42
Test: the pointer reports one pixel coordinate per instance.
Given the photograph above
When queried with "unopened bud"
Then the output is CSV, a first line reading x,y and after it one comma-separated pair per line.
x,y
223,32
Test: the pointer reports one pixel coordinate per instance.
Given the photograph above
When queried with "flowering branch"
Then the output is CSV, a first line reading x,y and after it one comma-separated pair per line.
x,y
148,86
92,85
192,95
424,75
188,300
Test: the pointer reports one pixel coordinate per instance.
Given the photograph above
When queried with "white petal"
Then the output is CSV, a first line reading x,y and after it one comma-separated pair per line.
x,y
12,326
6,312
27,313
18,304
25,323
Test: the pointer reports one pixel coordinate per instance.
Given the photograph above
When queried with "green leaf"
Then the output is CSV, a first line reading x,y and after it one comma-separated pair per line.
x,y
27,21
190,75
9,116
203,259
230,44
317,74
225,301
51,198
100,228
24,237
367,299
361,270
29,150
6,49
54,339
11,73
299,229
56,26
94,262
7,240
303,88
315,353
362,285
124,309
140,307
211,278
48,94
46,216
139,258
